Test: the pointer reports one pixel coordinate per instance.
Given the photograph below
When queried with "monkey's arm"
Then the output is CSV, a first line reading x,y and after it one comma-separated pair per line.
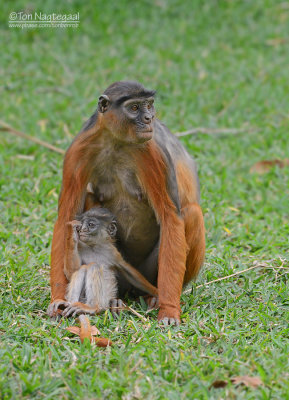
x,y
154,170
58,280
71,201
72,261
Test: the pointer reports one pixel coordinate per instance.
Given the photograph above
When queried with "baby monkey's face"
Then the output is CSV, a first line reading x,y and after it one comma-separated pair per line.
x,y
95,230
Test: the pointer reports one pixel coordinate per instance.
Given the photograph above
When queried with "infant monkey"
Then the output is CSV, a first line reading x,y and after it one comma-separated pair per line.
x,y
91,262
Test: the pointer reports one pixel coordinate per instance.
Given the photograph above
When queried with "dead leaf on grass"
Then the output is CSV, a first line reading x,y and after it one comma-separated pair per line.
x,y
261,167
249,381
86,331
76,330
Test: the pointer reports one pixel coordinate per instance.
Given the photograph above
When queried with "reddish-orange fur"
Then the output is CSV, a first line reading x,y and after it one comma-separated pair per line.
x,y
172,258
193,220
76,173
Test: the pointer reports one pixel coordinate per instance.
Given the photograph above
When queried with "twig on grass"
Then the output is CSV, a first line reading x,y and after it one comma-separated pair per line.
x,y
133,312
214,131
5,127
235,274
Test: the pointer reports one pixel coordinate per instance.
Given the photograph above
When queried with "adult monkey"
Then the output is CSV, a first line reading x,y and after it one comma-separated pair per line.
x,y
146,178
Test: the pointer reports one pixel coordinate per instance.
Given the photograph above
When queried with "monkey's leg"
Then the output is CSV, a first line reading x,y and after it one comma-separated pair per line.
x,y
101,289
195,238
76,285
74,293
100,286
89,278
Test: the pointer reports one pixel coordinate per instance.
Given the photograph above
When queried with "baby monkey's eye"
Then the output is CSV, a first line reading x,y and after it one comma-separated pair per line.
x,y
91,224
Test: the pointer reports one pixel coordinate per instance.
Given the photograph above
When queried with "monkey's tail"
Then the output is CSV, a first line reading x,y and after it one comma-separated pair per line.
x,y
86,332
137,279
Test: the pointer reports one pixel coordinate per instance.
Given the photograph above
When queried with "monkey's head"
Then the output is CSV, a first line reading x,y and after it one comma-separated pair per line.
x,y
127,111
97,224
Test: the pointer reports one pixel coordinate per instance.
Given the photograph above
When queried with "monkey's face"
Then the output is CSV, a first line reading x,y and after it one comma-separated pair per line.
x,y
131,121
96,230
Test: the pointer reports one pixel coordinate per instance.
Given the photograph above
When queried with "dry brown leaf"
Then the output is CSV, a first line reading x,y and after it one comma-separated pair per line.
x,y
95,331
86,331
249,381
101,342
261,167
76,330
218,384
73,329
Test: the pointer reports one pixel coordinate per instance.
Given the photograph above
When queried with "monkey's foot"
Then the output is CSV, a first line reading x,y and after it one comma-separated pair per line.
x,y
79,308
152,302
116,306
169,316
56,307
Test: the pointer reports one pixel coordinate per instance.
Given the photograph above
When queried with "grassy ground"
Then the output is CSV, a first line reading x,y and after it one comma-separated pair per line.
x,y
214,64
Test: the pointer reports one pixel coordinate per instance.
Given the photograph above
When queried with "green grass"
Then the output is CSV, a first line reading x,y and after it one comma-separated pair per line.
x,y
214,64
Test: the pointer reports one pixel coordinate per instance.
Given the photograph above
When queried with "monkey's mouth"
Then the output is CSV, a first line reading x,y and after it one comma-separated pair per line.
x,y
83,237
145,134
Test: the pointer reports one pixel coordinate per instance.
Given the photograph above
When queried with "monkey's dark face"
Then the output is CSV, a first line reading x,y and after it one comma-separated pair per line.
x,y
96,228
128,111
140,114
131,121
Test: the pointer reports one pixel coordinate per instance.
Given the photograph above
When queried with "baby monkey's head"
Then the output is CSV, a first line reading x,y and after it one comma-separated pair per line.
x,y
97,224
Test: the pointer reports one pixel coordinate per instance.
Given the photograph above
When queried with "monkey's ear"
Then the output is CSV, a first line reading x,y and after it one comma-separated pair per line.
x,y
112,229
103,103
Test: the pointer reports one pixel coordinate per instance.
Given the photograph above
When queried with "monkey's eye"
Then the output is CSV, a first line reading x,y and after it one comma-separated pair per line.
x,y
91,224
134,107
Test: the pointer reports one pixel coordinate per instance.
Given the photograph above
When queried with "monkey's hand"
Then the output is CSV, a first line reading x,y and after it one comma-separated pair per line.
x,y
55,308
116,306
169,316
72,231
152,302
77,308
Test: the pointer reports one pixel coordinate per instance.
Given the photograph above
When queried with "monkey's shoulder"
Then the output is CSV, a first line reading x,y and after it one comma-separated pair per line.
x,y
174,152
169,142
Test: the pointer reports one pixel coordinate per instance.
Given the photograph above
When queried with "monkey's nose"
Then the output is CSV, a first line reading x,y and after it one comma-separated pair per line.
x,y
147,119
